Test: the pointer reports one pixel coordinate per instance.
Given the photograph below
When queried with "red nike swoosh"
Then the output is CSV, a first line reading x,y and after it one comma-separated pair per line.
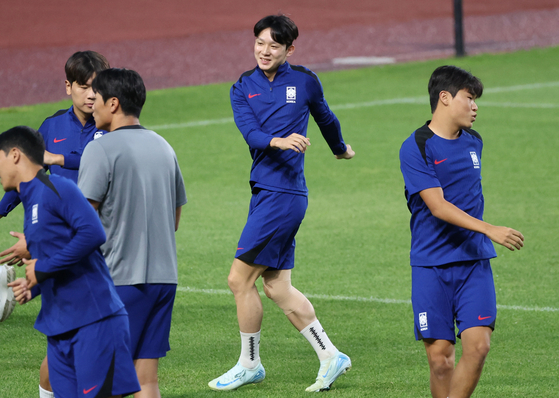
x,y
240,248
88,391
253,95
56,141
440,161
481,318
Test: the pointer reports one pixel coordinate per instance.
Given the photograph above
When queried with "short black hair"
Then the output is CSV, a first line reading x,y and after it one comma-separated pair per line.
x,y
452,79
126,85
283,29
29,141
83,64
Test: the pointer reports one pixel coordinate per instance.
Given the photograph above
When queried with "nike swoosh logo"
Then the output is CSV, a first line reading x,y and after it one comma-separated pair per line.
x,y
481,318
226,384
240,248
56,141
253,95
440,161
88,391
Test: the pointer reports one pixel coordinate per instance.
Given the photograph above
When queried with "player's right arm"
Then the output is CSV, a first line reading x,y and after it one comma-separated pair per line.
x,y
246,121
446,211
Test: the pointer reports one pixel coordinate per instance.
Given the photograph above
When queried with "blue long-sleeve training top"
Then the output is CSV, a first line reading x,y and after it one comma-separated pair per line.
x,y
63,134
264,110
64,233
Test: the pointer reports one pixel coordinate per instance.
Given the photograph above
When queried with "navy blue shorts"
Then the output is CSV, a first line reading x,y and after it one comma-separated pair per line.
x,y
150,307
269,234
459,292
93,361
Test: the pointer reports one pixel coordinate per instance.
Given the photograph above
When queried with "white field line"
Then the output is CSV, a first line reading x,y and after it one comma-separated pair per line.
x,y
409,100
187,289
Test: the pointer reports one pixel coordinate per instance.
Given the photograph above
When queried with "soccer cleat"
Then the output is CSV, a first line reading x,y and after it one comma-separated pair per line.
x,y
238,376
330,370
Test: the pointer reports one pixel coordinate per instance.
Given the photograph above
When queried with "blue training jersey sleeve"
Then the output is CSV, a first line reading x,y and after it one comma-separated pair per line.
x,y
326,120
88,232
246,121
418,172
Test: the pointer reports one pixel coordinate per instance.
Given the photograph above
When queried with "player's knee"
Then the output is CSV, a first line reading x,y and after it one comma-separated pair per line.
x,y
441,365
477,351
236,283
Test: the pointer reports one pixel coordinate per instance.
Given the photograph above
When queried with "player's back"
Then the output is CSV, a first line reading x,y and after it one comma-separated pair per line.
x,y
143,189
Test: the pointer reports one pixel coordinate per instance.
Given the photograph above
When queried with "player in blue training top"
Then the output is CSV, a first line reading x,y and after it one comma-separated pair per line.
x,y
81,313
451,244
66,133
271,106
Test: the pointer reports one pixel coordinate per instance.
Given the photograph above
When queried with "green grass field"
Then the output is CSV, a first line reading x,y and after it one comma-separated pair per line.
x,y
352,255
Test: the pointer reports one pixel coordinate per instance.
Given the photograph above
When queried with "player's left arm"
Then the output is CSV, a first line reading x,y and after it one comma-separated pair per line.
x,y
446,211
327,121
88,233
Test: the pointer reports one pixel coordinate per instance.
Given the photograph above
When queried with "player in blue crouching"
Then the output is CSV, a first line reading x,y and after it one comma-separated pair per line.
x,y
271,106
451,244
81,313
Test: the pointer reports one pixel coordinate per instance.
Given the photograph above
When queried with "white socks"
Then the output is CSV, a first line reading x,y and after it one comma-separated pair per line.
x,y
44,393
319,340
250,350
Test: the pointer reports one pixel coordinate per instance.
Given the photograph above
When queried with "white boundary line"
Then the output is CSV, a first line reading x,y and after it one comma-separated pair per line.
x,y
409,100
187,289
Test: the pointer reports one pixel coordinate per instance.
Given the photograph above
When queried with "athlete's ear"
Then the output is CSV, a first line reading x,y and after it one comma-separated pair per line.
x,y
68,87
114,103
14,155
290,50
445,97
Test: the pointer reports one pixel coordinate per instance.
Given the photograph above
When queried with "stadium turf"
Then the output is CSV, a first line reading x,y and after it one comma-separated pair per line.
x,y
352,249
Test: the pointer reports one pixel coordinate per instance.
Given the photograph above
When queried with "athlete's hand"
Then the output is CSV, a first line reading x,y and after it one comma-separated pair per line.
x,y
508,237
17,252
22,294
30,272
53,158
348,154
295,142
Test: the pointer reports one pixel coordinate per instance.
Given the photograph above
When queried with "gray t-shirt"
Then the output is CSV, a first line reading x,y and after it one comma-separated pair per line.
x,y
134,174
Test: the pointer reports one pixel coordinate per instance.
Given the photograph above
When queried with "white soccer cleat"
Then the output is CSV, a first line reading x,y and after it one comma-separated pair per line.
x,y
7,300
238,376
330,370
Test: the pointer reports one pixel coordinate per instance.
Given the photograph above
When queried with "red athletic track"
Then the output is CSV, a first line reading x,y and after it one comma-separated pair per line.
x,y
186,42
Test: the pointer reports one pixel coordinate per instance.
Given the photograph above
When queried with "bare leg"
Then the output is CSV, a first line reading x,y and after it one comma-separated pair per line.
x,y
297,308
475,347
146,369
440,354
249,306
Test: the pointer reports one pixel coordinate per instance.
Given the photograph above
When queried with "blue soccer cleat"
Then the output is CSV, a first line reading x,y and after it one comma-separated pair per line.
x,y
238,376
330,370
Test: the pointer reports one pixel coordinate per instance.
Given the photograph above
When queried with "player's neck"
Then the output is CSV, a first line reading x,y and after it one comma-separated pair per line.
x,y
27,173
444,127
121,120
82,117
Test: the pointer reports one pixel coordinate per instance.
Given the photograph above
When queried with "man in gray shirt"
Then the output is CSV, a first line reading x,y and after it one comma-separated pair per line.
x,y
132,177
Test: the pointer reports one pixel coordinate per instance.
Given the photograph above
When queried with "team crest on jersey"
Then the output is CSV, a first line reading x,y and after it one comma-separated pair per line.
x,y
475,160
423,321
35,214
291,95
98,134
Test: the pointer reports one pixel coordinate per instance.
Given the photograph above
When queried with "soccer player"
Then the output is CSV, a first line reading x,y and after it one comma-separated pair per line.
x,y
81,314
451,244
271,105
132,177
66,133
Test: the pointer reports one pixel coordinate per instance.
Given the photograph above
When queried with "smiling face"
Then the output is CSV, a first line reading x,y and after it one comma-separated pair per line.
x,y
82,98
463,109
269,54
